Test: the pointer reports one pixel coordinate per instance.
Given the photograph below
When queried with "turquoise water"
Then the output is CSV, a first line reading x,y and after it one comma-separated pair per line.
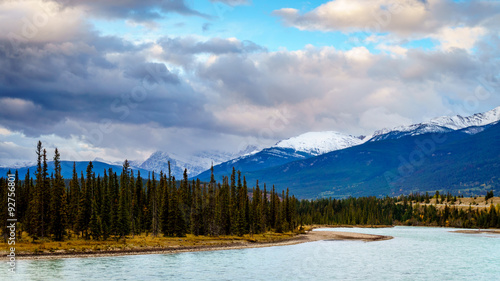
x,y
414,254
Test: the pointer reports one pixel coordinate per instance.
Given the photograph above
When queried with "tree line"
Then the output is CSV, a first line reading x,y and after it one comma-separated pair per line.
x,y
100,207
117,205
413,210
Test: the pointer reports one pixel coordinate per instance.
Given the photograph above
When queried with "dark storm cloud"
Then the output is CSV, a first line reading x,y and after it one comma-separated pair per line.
x,y
150,70
32,63
90,79
138,10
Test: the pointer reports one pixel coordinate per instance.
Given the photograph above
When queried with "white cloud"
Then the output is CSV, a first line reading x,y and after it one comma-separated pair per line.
x,y
373,117
393,49
459,37
358,54
409,19
363,15
227,91
39,21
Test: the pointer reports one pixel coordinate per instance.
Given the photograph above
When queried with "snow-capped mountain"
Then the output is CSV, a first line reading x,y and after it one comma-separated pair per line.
x,y
296,148
441,125
458,122
195,164
317,143
17,165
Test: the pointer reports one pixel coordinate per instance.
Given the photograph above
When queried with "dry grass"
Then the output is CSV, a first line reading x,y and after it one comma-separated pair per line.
x,y
138,242
477,203
464,203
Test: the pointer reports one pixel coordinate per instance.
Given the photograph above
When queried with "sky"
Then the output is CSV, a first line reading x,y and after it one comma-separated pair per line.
x,y
121,79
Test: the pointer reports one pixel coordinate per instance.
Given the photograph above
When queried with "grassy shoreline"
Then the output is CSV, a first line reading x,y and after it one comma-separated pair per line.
x,y
146,244
143,244
139,244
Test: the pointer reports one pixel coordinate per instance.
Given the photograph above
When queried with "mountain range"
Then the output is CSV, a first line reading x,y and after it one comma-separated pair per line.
x,y
67,169
458,154
462,155
296,148
195,163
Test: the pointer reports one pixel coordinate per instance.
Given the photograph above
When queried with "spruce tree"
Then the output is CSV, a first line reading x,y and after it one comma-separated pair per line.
x,y
46,192
95,226
233,203
265,210
165,217
123,207
74,191
155,226
180,223
105,215
36,210
137,204
58,202
196,210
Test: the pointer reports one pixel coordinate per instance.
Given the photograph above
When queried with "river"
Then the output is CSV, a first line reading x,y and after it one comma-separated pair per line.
x,y
415,253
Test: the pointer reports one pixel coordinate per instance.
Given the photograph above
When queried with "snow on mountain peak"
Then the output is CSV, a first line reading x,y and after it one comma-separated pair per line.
x,y
442,124
458,122
318,143
195,163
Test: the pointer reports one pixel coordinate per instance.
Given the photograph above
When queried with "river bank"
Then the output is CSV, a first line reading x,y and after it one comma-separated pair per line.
x,y
212,245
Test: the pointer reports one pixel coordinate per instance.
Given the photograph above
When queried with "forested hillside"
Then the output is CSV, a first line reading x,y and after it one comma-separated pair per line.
x,y
112,206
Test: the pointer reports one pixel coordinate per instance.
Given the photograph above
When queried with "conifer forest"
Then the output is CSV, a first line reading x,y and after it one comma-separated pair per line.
x,y
116,205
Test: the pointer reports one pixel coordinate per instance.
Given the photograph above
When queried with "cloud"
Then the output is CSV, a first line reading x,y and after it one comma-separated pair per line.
x,y
403,17
206,27
333,89
94,95
460,37
373,117
233,2
91,78
183,50
140,11
451,22
39,21
394,49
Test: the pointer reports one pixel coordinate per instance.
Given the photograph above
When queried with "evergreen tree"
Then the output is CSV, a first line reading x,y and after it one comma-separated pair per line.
x,y
95,225
123,206
196,210
166,224
35,228
105,215
45,194
85,211
265,210
58,202
137,203
155,207
115,202
74,191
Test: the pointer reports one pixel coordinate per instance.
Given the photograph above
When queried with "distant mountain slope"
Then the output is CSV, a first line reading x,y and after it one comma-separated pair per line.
x,y
195,163
300,147
316,143
67,169
439,125
460,162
